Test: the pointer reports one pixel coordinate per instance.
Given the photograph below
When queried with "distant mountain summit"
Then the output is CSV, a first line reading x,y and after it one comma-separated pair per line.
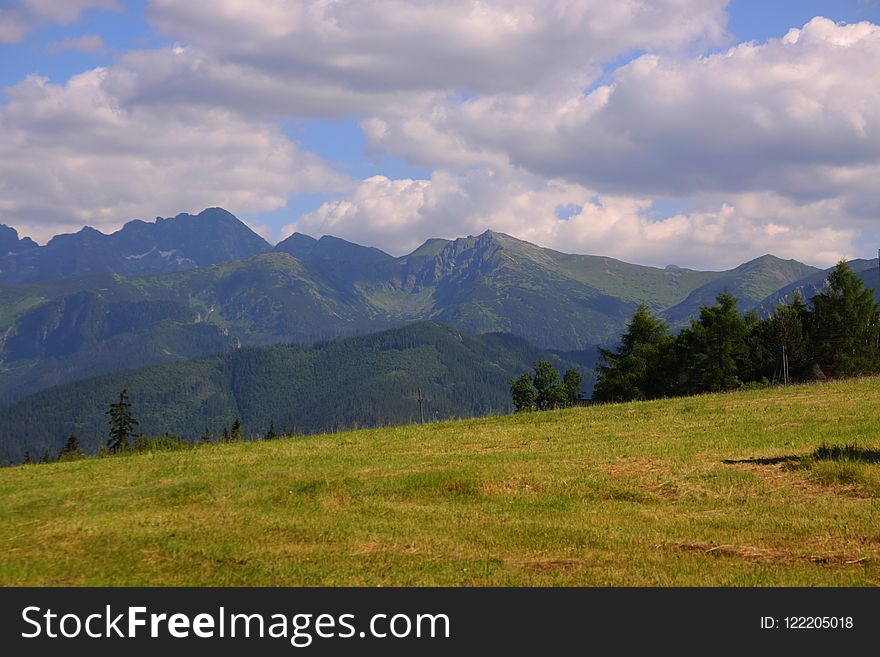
x,y
139,248
10,244
303,247
750,283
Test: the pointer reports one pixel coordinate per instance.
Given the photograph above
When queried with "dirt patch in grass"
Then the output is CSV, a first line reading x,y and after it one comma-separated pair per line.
x,y
770,555
378,546
230,562
546,565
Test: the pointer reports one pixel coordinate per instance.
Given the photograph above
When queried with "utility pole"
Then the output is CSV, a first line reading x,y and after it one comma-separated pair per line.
x,y
421,408
785,378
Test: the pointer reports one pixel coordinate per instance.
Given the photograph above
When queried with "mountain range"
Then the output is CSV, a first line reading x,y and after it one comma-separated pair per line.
x,y
89,303
183,305
138,249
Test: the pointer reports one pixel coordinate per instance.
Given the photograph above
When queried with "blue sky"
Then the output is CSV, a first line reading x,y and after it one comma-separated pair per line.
x,y
392,156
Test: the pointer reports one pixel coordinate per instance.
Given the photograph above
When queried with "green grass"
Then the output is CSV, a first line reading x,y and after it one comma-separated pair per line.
x,y
634,494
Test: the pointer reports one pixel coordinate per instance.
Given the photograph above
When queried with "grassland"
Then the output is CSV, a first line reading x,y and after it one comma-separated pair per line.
x,y
634,494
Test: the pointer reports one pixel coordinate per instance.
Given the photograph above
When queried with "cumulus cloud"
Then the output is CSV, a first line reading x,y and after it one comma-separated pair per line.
x,y
789,116
778,142
185,75
24,15
398,214
320,57
71,154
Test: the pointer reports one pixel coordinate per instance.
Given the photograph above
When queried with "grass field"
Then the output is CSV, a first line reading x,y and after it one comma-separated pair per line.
x,y
634,494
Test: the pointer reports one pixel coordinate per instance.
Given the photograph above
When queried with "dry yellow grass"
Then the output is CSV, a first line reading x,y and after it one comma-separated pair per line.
x,y
633,494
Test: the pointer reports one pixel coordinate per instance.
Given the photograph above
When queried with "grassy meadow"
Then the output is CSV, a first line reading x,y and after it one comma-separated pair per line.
x,y
630,494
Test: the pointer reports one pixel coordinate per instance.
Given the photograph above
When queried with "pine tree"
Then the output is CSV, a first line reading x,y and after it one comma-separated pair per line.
x,y
844,326
715,347
45,458
71,447
270,434
236,435
207,438
643,367
122,424
27,457
225,438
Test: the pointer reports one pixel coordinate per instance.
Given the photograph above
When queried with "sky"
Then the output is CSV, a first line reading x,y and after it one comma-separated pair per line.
x,y
701,133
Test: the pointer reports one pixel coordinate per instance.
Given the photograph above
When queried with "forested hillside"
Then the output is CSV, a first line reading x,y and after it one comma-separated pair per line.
x,y
364,381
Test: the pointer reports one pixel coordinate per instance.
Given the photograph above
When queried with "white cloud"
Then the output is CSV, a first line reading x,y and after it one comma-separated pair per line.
x,y
787,133
24,15
72,154
789,116
398,214
12,26
319,57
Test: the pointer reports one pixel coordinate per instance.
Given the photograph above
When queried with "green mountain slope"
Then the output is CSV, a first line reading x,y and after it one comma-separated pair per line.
x,y
69,328
363,381
751,283
52,332
809,286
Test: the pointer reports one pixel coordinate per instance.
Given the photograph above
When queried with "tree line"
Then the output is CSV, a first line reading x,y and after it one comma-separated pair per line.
x,y
122,436
837,335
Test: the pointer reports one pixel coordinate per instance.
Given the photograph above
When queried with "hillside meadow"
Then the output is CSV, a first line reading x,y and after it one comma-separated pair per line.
x,y
629,494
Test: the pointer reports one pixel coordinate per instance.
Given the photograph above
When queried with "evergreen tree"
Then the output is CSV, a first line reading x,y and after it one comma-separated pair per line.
x,y
550,392
844,324
643,367
523,394
225,438
270,434
45,458
715,348
27,457
788,327
572,380
207,438
122,424
236,435
71,447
